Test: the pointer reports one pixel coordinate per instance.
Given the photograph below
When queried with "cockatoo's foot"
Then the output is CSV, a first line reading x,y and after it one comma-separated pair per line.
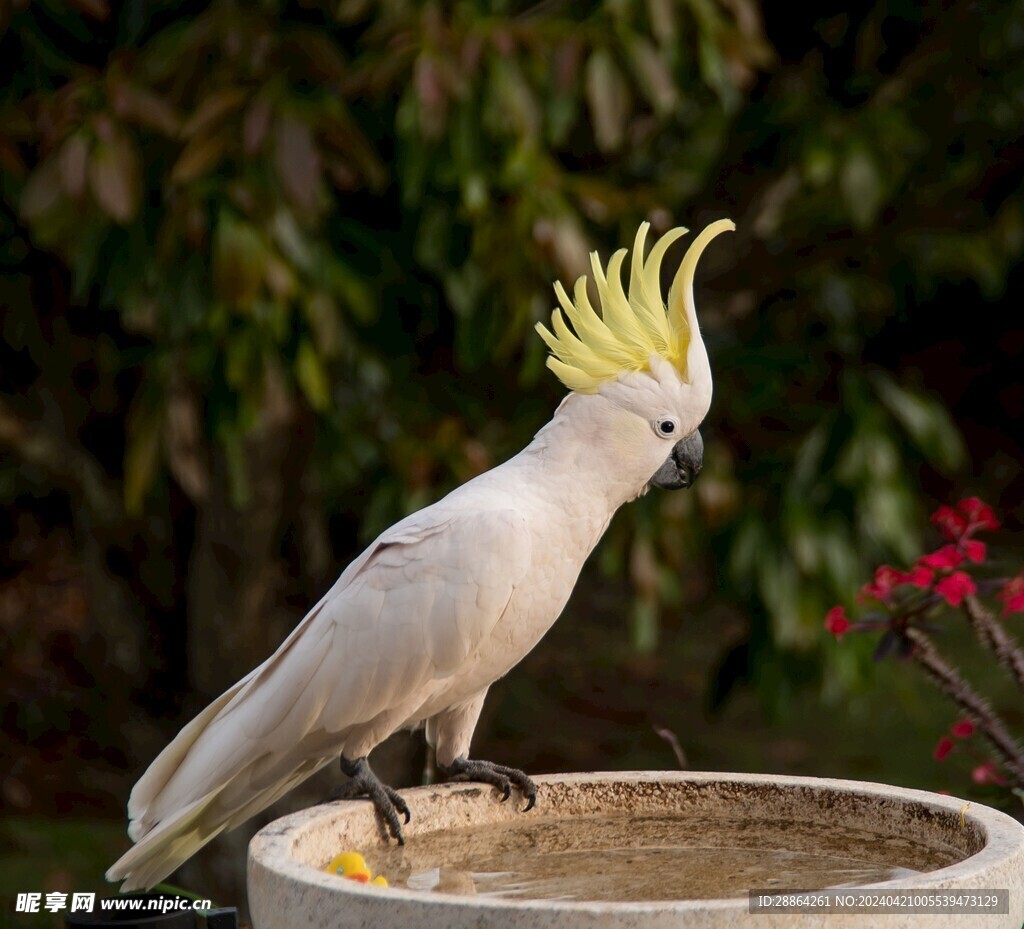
x,y
364,783
500,776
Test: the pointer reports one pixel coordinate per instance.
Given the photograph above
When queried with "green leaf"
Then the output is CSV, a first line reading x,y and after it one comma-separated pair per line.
x,y
653,76
749,540
213,109
74,165
241,358
861,185
517,103
239,256
324,319
927,422
714,68
644,626
298,163
312,378
780,586
662,14
807,462
609,100
842,564
142,452
145,107
353,291
256,125
888,513
560,116
115,177
42,191
289,237
236,458
202,154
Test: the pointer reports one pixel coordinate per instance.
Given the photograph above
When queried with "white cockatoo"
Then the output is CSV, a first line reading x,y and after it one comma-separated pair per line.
x,y
451,598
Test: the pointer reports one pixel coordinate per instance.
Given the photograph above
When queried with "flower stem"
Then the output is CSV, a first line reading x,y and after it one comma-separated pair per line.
x,y
992,635
976,707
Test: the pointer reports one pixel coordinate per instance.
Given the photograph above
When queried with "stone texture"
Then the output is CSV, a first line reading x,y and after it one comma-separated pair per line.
x,y
287,889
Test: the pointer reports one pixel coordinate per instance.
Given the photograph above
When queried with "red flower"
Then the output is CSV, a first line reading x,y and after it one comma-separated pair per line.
x,y
955,587
943,748
975,550
919,576
886,578
962,729
987,773
951,523
946,557
1012,595
836,621
979,513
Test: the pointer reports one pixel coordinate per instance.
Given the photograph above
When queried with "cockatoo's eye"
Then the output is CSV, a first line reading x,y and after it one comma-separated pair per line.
x,y
666,427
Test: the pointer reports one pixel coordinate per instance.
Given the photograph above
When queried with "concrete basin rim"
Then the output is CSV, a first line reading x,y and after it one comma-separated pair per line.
x,y
1003,835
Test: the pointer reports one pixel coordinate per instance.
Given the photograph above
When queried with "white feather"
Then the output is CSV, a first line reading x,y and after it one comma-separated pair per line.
x,y
387,637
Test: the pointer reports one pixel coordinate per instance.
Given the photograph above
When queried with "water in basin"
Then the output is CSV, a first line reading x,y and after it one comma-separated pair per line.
x,y
650,858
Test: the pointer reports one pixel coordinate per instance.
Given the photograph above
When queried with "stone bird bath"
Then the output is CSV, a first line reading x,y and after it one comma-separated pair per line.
x,y
652,849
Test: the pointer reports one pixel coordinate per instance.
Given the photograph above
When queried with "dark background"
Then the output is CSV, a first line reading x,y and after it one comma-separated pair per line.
x,y
269,277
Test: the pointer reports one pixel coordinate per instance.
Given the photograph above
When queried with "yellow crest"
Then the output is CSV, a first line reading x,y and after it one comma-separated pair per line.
x,y
629,329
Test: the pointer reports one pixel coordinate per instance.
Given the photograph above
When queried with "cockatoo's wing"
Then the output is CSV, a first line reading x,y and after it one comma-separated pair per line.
x,y
404,618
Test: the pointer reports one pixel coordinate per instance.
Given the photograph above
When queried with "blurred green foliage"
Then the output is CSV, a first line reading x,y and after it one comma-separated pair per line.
x,y
337,223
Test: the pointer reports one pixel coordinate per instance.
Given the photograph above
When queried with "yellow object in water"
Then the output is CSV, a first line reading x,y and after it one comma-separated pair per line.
x,y
353,866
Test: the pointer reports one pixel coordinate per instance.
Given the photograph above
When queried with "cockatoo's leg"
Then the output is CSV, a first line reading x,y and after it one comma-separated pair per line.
x,y
364,783
500,776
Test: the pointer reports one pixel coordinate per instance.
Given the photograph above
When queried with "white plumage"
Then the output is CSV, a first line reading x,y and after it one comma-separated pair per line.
x,y
420,625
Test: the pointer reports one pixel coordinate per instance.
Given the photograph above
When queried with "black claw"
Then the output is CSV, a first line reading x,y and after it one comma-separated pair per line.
x,y
399,804
386,801
499,776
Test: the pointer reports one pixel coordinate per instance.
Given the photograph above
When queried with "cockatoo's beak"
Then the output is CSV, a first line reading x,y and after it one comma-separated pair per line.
x,y
683,465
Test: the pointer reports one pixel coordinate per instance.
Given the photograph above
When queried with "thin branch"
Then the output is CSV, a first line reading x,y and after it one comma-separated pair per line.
x,y
972,703
992,635
669,736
